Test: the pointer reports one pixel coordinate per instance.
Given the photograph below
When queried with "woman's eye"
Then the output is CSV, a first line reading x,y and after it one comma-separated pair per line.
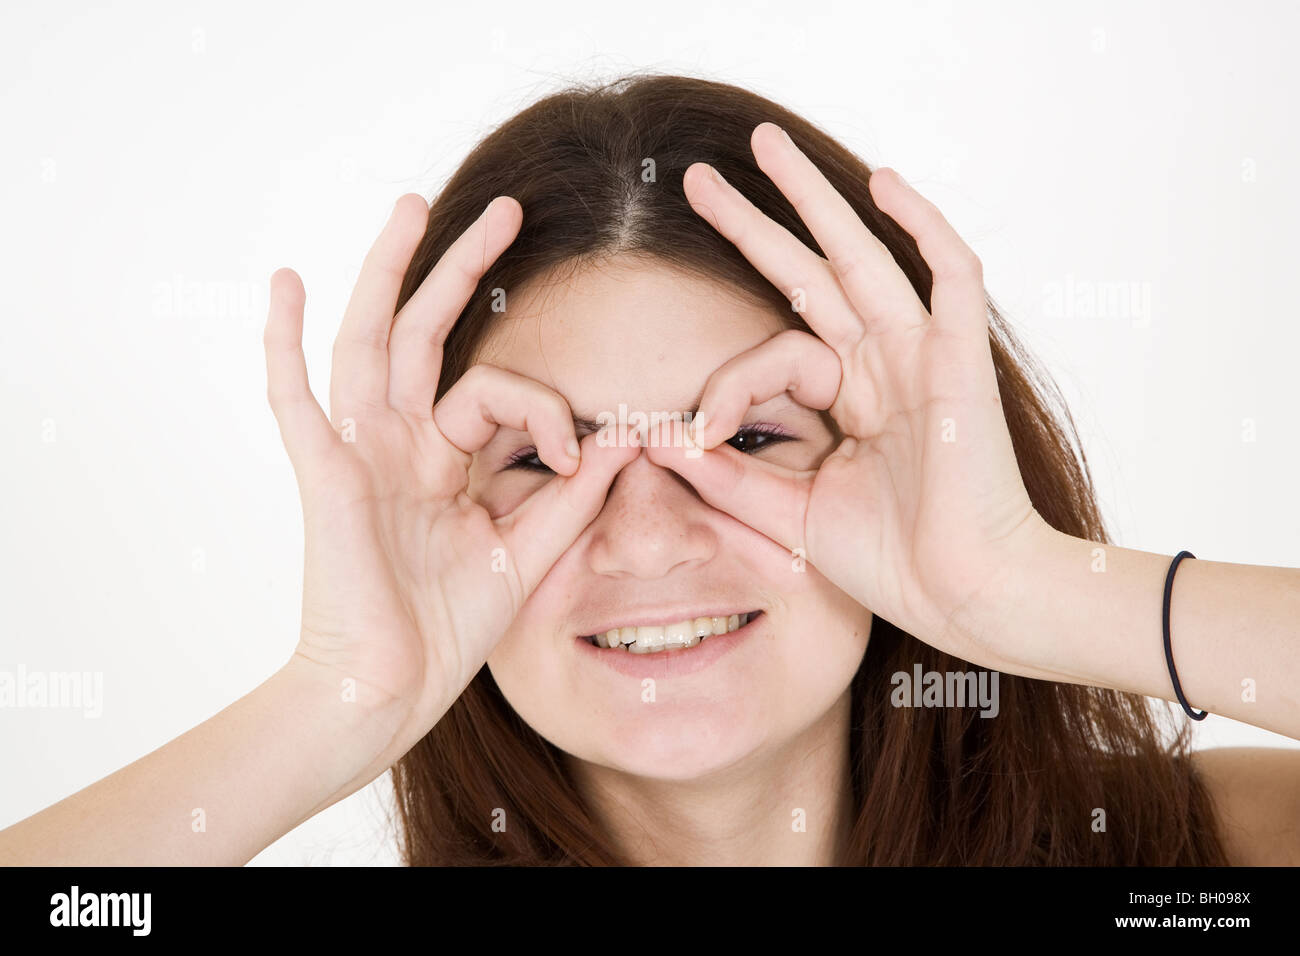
x,y
526,460
752,438
749,439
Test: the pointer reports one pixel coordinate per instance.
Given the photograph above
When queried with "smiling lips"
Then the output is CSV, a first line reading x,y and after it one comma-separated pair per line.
x,y
682,634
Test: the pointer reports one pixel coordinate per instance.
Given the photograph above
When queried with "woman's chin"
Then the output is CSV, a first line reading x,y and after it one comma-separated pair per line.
x,y
675,751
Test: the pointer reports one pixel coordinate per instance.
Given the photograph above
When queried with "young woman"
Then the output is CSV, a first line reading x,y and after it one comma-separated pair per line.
x,y
577,644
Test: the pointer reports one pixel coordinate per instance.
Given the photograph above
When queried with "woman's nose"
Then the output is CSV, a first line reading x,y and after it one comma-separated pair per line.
x,y
653,524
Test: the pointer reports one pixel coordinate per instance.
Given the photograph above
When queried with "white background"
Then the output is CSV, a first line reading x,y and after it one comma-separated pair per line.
x,y
161,160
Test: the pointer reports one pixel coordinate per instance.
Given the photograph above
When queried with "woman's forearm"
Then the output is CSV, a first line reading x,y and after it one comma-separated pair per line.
x,y
1087,613
222,792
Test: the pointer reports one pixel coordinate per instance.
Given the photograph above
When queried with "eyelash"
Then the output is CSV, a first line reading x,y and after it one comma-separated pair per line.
x,y
523,460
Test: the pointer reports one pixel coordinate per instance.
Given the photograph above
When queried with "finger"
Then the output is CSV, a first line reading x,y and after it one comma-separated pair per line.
x,y
487,397
805,277
866,269
359,378
550,520
957,299
421,327
305,430
770,499
791,361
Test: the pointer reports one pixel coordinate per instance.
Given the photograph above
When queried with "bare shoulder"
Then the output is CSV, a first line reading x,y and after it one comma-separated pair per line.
x,y
1256,793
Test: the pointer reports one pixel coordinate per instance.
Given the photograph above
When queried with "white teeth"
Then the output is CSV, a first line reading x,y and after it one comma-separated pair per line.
x,y
648,639
681,634
688,633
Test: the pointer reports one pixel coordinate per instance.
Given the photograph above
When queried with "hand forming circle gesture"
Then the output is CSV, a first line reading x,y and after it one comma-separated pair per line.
x,y
408,583
922,505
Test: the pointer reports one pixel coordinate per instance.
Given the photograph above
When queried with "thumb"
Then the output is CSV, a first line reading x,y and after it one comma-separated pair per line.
x,y
542,528
770,499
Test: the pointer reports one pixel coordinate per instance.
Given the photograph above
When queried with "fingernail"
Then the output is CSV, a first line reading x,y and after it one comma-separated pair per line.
x,y
717,176
696,429
571,446
787,136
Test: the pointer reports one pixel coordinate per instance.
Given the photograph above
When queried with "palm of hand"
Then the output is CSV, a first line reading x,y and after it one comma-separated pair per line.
x,y
921,508
408,582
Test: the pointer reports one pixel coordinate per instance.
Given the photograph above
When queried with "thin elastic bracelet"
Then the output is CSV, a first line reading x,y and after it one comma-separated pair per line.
x,y
1169,650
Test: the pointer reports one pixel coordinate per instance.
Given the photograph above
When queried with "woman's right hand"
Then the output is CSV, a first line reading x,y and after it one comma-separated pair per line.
x,y
408,583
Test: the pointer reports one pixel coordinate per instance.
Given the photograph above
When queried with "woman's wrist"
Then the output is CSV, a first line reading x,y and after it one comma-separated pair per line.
x,y
1069,609
1077,611
361,727
1021,623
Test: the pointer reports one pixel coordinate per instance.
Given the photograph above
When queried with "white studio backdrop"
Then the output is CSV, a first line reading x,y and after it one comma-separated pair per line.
x,y
1125,171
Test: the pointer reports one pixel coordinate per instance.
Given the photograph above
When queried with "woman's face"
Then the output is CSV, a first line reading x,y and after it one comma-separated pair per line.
x,y
637,332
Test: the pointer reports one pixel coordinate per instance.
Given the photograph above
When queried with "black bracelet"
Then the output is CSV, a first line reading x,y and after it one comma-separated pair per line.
x,y
1169,650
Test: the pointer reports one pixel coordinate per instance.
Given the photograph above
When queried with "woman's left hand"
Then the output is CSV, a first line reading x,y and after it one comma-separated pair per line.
x,y
921,509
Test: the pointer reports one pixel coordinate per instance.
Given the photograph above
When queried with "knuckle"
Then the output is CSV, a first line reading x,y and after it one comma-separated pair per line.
x,y
467,272
722,382
481,375
929,210
790,339
846,264
742,231
556,406
967,265
372,337
800,198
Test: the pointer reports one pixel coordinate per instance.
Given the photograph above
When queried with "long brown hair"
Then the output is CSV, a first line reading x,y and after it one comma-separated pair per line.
x,y
598,170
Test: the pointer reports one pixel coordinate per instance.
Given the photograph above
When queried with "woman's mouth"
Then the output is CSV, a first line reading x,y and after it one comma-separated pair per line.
x,y
682,634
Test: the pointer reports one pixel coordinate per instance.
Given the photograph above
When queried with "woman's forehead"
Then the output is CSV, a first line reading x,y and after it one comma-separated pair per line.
x,y
630,322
